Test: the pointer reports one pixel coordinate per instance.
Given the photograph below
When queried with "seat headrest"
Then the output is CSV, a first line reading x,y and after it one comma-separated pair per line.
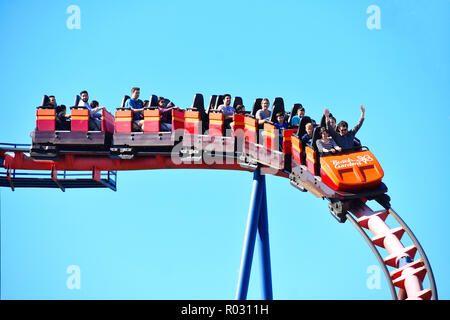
x,y
315,137
279,103
77,101
219,101
45,101
212,103
198,102
323,121
237,101
153,101
256,106
301,128
124,100
276,109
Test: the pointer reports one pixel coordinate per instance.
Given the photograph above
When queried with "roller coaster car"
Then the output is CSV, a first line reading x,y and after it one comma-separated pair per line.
x,y
276,151
47,141
350,174
126,141
215,138
351,171
267,149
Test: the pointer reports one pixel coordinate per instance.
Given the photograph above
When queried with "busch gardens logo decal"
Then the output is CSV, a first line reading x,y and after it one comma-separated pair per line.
x,y
350,162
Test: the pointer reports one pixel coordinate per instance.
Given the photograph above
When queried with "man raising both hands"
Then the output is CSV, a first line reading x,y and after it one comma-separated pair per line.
x,y
344,138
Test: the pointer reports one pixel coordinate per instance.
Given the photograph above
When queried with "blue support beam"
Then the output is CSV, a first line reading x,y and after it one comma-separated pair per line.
x,y
257,221
263,231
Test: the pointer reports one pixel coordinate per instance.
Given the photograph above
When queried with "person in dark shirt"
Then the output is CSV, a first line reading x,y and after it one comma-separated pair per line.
x,y
240,109
344,138
306,139
61,118
280,125
165,115
136,105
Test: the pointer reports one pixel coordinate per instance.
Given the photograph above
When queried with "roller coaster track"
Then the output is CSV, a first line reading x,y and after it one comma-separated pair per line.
x,y
405,267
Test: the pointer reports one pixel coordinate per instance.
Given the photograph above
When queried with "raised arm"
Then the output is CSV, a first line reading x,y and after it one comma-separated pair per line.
x,y
330,129
360,121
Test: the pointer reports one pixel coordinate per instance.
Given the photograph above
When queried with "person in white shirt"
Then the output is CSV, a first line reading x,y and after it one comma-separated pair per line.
x,y
95,114
228,111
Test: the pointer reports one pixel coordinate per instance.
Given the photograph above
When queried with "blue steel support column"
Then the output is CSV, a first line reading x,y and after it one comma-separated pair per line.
x,y
263,230
250,236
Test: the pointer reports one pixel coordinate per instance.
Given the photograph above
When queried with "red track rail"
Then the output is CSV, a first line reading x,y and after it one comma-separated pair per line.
x,y
407,278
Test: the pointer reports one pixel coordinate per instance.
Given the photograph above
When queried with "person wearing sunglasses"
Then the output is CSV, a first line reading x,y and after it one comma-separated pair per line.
x,y
343,137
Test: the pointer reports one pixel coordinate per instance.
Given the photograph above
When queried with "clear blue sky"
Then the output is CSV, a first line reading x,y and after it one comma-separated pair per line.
x,y
178,234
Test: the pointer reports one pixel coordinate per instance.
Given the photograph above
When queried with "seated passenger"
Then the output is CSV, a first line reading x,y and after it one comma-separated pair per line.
x,y
52,101
263,114
136,105
326,144
240,109
97,116
228,111
94,113
280,125
298,117
333,122
345,139
306,139
62,119
165,115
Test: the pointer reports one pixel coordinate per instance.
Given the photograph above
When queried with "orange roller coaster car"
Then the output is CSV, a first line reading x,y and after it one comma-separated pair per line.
x,y
351,171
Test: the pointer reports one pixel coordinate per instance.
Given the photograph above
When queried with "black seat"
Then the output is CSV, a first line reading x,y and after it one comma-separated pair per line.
x,y
256,106
153,101
219,102
277,106
124,101
237,101
212,103
275,110
279,102
316,136
45,102
77,102
199,105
